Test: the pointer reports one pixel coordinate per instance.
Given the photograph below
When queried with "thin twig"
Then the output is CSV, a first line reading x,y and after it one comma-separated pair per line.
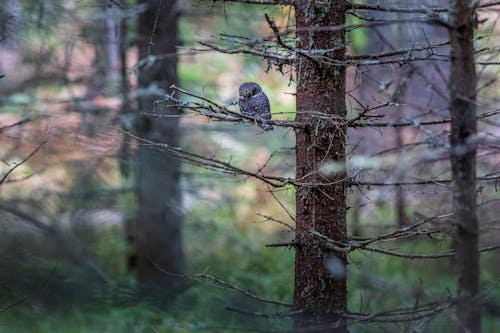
x,y
22,162
17,123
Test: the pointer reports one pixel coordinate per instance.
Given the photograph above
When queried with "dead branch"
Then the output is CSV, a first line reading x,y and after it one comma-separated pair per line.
x,y
211,163
22,162
226,285
440,182
425,10
74,252
17,123
263,314
261,2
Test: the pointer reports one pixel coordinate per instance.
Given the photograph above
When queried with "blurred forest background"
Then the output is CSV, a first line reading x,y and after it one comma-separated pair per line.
x,y
103,231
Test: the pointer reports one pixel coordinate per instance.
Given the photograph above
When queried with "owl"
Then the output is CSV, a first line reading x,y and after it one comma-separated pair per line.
x,y
254,103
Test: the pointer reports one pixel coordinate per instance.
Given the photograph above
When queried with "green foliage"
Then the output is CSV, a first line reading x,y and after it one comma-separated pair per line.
x,y
356,37
218,251
221,246
378,283
219,239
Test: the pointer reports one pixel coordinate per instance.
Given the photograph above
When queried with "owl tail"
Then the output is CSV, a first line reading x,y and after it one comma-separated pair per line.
x,y
266,126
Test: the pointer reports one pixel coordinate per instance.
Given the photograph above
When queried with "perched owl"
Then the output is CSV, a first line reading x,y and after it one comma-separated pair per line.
x,y
254,103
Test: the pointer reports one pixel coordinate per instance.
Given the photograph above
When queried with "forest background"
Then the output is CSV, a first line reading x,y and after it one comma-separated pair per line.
x,y
73,131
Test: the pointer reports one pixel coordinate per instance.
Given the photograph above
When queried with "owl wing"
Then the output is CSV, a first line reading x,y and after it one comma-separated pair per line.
x,y
247,108
261,107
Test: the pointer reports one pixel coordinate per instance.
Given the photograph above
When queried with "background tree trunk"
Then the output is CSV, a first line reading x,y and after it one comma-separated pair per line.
x,y
125,108
157,229
9,25
320,292
463,162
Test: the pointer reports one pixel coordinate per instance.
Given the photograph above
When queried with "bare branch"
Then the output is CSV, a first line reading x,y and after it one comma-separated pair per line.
x,y
264,314
261,2
226,285
425,10
17,123
211,163
22,162
74,252
441,182
358,6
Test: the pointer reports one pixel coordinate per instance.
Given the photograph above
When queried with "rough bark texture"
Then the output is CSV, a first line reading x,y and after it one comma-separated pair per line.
x,y
157,228
463,163
320,208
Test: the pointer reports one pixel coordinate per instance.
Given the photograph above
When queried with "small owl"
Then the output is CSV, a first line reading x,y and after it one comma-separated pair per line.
x,y
254,103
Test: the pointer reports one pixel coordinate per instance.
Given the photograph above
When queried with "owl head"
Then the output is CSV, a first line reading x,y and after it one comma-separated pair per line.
x,y
249,89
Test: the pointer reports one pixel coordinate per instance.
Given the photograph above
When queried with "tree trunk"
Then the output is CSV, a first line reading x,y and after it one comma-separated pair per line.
x,y
463,163
355,211
98,82
320,284
125,108
9,27
157,229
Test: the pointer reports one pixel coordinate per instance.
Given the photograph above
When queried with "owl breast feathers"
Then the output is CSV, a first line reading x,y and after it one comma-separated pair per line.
x,y
254,103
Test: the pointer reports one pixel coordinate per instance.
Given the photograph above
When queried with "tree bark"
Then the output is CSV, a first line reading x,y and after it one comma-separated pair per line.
x,y
157,229
125,109
463,162
9,27
320,284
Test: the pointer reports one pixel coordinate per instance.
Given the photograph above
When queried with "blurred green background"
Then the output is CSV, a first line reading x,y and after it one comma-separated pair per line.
x,y
74,184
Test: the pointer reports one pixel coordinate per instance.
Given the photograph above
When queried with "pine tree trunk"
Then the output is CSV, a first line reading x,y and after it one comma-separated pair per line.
x,y
157,229
463,163
320,284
